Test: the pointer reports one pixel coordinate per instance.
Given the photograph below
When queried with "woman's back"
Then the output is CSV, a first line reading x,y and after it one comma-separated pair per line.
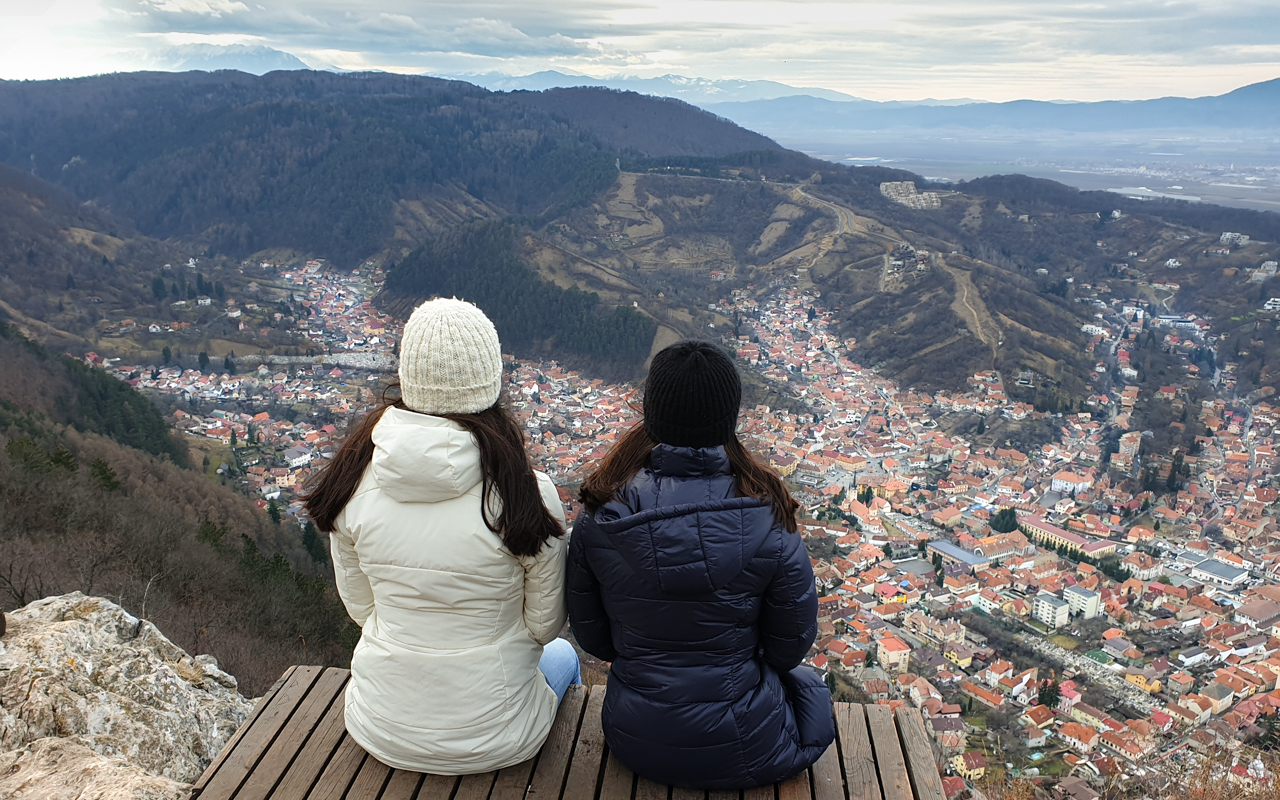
x,y
444,604
704,605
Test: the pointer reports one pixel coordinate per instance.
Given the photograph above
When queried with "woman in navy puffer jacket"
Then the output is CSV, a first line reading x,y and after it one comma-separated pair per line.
x,y
686,572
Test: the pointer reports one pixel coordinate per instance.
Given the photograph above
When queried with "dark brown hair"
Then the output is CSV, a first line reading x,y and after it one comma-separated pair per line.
x,y
631,454
524,523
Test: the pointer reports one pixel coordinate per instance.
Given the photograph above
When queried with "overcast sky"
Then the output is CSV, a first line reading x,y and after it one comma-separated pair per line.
x,y
885,50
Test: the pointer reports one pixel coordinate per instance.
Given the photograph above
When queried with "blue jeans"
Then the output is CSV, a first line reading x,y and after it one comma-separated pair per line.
x,y
559,665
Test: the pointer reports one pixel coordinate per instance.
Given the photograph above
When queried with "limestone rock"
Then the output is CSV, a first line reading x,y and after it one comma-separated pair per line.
x,y
80,675
61,769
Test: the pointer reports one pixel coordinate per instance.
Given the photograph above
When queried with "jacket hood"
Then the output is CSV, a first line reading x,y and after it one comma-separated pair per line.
x,y
418,458
691,547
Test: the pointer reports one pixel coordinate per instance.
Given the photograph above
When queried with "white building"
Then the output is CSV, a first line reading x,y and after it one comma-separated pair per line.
x,y
1050,610
297,456
1068,482
1216,573
1083,602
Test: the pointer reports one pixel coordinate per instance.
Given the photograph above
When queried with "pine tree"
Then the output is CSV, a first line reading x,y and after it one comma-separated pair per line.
x,y
1049,695
311,541
104,475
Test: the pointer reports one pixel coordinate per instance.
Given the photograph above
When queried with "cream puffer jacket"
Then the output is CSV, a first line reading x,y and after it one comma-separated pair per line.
x,y
445,677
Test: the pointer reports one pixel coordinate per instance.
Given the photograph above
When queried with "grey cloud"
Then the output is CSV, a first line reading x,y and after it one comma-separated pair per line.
x,y
940,45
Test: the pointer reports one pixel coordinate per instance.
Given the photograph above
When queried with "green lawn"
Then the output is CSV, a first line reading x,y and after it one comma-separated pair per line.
x,y
1064,641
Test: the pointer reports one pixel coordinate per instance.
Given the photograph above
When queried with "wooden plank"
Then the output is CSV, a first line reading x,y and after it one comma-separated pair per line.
x,y
648,790
758,793
224,782
369,781
512,782
437,787
340,771
472,787
553,762
322,745
890,764
724,794
295,737
856,753
827,783
240,733
796,788
678,793
402,786
619,782
921,766
584,769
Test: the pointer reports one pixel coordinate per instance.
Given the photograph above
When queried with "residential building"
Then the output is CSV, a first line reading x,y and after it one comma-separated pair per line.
x,y
1050,610
893,654
1083,602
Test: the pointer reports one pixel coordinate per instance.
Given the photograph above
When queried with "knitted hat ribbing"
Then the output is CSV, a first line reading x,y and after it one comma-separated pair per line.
x,y
450,359
692,396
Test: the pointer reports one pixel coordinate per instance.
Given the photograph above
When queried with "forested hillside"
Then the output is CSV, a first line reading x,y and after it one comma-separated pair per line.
x,y
64,390
323,162
88,508
533,316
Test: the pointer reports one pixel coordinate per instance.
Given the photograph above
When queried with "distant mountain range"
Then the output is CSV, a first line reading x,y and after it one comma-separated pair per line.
x,y
254,59
1253,107
698,91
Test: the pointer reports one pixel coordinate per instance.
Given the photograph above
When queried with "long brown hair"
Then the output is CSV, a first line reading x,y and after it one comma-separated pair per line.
x,y
523,523
631,454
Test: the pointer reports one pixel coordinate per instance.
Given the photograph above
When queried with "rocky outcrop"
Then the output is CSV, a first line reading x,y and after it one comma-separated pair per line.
x,y
97,703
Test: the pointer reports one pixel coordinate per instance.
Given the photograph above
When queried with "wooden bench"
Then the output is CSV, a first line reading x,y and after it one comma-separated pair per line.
x,y
295,745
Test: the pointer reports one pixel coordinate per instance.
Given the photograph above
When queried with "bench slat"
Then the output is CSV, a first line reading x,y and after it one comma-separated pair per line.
x,y
369,781
920,763
325,693
548,777
758,793
512,782
827,783
856,753
402,786
796,788
474,787
619,782
437,787
240,762
723,794
339,772
316,754
648,790
240,733
889,761
584,770
678,793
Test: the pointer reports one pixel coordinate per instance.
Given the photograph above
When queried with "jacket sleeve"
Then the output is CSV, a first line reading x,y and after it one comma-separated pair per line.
x,y
789,616
353,584
544,603
587,616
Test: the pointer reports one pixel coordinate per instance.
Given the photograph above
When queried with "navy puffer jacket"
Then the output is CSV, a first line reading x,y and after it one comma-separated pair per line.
x,y
706,607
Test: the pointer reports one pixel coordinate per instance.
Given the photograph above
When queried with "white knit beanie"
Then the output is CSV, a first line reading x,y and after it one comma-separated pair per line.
x,y
450,359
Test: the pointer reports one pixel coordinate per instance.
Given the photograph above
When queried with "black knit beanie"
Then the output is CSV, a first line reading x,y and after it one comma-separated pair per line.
x,y
691,396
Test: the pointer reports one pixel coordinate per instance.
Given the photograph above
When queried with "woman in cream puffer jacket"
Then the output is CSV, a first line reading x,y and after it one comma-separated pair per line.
x,y
445,678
